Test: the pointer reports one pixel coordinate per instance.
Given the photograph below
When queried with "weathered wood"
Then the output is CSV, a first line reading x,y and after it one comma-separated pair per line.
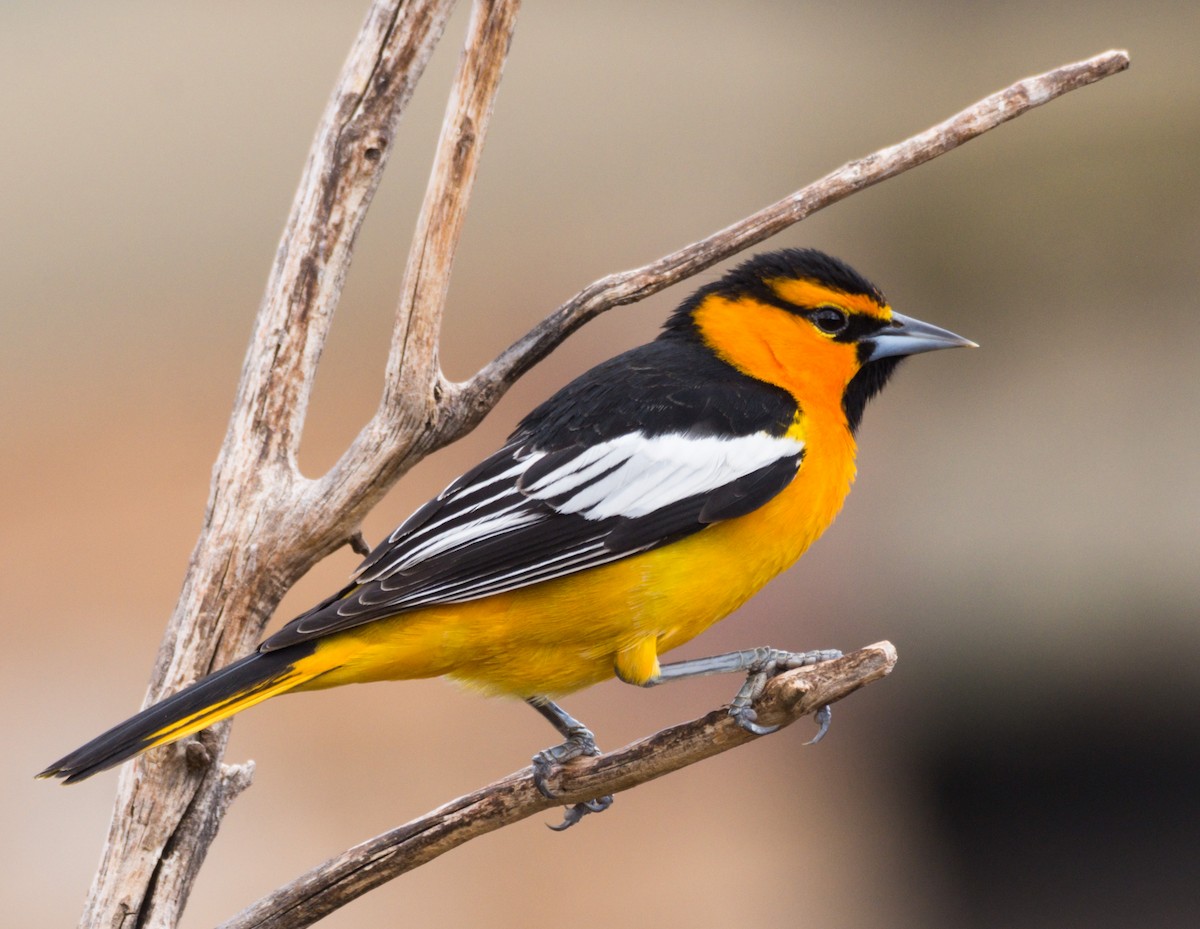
x,y
249,552
410,421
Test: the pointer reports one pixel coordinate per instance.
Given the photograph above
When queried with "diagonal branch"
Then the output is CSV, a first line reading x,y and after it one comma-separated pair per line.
x,y
788,698
405,431
476,397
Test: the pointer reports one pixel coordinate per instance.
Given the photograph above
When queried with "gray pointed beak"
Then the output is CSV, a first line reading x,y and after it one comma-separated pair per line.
x,y
906,336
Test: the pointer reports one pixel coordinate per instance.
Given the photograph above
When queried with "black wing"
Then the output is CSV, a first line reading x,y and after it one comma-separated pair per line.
x,y
582,483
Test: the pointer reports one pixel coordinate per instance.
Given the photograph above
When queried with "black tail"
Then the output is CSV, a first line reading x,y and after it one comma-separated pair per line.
x,y
216,697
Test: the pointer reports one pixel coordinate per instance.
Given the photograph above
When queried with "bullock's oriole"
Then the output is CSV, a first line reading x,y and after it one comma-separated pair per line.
x,y
640,504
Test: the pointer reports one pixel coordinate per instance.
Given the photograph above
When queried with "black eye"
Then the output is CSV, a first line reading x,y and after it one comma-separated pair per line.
x,y
829,320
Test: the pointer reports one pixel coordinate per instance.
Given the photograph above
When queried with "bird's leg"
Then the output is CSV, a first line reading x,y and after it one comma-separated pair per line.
x,y
759,665
579,742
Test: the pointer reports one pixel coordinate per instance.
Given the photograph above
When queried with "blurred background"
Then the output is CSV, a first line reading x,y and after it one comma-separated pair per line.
x,y
1025,525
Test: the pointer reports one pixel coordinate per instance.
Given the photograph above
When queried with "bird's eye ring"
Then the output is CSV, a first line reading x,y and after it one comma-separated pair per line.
x,y
830,320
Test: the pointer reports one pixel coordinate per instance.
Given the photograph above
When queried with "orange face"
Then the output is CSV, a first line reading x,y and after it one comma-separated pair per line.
x,y
787,348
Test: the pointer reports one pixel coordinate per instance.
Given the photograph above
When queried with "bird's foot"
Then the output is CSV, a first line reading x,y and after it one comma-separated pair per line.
x,y
580,743
767,663
577,811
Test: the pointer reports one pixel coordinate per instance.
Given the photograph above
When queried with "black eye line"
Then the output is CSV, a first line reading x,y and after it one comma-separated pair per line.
x,y
858,326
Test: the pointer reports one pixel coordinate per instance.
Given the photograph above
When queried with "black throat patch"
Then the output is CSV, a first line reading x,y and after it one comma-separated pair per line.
x,y
869,380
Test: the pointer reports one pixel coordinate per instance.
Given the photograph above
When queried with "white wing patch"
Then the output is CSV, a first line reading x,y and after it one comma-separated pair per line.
x,y
633,475
497,511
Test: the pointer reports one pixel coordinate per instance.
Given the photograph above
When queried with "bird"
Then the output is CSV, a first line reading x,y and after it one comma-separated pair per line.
x,y
641,503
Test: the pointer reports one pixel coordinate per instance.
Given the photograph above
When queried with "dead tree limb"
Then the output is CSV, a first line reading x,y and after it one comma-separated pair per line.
x,y
266,523
252,547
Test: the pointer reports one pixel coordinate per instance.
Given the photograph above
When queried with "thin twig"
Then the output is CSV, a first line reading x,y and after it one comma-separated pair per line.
x,y
413,364
478,395
788,698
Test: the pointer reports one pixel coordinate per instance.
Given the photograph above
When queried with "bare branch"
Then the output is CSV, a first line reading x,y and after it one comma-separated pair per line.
x,y
403,428
167,810
427,277
474,398
788,698
343,171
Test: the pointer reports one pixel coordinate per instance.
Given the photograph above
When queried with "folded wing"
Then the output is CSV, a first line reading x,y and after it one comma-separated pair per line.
x,y
527,515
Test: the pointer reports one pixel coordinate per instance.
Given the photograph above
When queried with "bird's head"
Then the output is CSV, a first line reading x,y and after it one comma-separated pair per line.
x,y
808,323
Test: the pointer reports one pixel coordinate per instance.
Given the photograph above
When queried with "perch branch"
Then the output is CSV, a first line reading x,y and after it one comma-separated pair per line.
x,y
787,698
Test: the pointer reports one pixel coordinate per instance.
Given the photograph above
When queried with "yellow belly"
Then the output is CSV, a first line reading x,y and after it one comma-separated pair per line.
x,y
562,635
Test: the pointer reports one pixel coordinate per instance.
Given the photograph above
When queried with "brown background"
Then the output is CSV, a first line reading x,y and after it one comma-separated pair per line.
x,y
1025,525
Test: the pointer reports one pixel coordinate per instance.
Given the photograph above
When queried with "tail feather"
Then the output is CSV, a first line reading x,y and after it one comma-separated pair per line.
x,y
218,696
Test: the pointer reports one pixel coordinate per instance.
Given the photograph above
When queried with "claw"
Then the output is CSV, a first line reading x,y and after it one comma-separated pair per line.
x,y
578,744
574,813
824,715
746,717
542,766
